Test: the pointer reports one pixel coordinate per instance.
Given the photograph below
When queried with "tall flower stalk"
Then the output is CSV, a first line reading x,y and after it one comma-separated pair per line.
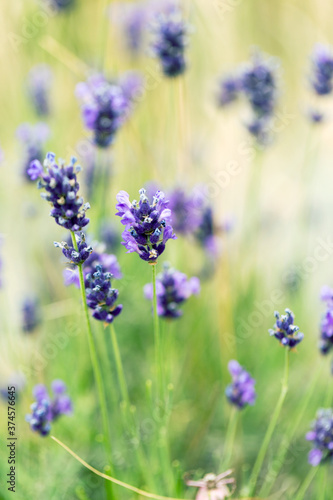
x,y
159,366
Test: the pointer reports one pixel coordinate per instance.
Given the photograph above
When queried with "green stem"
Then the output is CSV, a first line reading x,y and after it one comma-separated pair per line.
x,y
95,364
308,480
284,446
230,438
157,338
269,433
119,367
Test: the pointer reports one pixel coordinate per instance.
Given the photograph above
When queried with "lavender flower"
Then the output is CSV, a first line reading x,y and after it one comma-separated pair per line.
x,y
241,391
206,231
170,40
173,289
147,225
38,84
16,380
45,409
132,17
30,314
61,186
285,331
321,436
104,108
229,88
326,325
185,216
78,256
32,138
322,69
131,84
62,4
101,297
213,487
316,116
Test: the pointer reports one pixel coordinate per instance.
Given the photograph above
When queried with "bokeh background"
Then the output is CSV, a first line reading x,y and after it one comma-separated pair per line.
x,y
175,136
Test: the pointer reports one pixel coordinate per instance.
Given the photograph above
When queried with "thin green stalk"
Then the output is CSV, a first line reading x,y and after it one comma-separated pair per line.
x,y
269,433
119,367
230,438
283,449
157,338
95,364
305,485
322,483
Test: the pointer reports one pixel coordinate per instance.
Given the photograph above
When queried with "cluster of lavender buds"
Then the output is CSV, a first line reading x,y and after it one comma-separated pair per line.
x,y
17,380
285,331
78,256
38,85
108,262
147,225
133,18
105,107
326,325
30,314
45,409
61,186
212,487
322,70
32,138
321,436
101,297
173,288
241,391
185,215
170,39
228,91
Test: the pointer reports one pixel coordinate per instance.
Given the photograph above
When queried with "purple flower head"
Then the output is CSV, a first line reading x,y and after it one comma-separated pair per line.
x,y
132,17
326,325
315,116
321,436
38,84
78,256
206,232
285,331
322,70
132,86
173,289
17,380
46,409
147,225
62,4
241,391
228,92
259,128
101,297
61,190
212,487
104,108
185,217
170,40
30,314
32,138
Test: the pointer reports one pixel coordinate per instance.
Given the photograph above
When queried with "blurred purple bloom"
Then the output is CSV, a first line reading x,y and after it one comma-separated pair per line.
x,y
32,138
30,314
133,18
321,436
131,84
322,70
104,108
228,92
316,116
212,487
39,83
173,289
326,325
241,391
61,186
62,4
147,225
17,380
45,409
285,331
185,216
101,297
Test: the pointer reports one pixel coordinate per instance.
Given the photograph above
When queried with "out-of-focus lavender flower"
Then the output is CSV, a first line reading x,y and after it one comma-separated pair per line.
x,y
285,331
61,186
322,70
110,236
78,256
147,225
101,297
16,380
30,314
212,487
32,138
62,4
131,84
104,108
206,232
228,92
170,39
133,19
185,216
241,391
173,288
326,325
316,116
45,409
39,82
321,437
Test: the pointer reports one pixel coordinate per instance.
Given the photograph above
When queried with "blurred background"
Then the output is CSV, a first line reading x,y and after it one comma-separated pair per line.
x,y
277,200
